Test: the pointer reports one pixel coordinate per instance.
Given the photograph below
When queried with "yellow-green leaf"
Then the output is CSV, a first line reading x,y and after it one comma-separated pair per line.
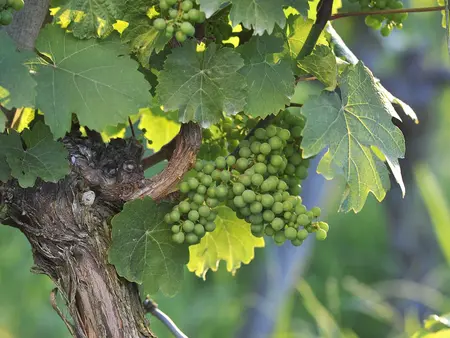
x,y
231,241
159,130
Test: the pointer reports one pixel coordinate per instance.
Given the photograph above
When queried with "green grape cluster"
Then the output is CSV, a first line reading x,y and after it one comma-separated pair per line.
x,y
6,10
385,23
260,182
178,18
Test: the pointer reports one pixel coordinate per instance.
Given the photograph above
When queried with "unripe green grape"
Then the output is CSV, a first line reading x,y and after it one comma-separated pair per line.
x,y
239,201
184,187
290,169
290,233
173,13
260,168
257,179
300,209
303,220
203,221
301,172
199,230
212,202
231,160
276,160
199,175
204,211
245,211
206,180
268,215
277,224
199,199
284,134
302,234
279,237
191,238
175,229
178,238
201,189
256,207
208,168
248,196
287,216
254,147
201,18
275,143
171,2
256,228
194,14
296,159
245,152
386,30
277,208
167,218
241,164
193,215
221,192
193,183
282,185
187,28
297,190
287,206
215,175
310,215
210,226
238,188
188,226
184,207
324,226
163,5
260,134
159,24
267,201
180,36
261,158
221,163
256,218
186,5
17,5
321,234
174,216
265,148
316,211
278,197
297,242
193,205
246,180
271,131
296,132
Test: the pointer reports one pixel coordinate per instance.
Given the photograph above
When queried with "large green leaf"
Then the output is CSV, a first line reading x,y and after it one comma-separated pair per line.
x,y
94,79
210,6
202,85
322,64
270,84
349,128
261,15
17,87
43,157
89,18
142,249
231,241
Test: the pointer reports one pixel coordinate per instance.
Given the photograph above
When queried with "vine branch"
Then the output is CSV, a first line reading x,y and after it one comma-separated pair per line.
x,y
151,307
387,11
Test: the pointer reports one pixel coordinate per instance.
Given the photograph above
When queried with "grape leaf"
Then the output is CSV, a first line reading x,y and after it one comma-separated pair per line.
x,y
158,129
301,6
202,85
17,87
43,157
94,79
261,15
322,64
2,120
142,249
270,84
89,18
143,38
231,241
349,128
5,170
210,6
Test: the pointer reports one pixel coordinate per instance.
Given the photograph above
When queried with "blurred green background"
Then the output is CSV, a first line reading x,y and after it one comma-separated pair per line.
x,y
378,274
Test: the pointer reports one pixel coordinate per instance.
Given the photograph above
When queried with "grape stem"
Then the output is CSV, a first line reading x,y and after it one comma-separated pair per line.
x,y
387,11
151,307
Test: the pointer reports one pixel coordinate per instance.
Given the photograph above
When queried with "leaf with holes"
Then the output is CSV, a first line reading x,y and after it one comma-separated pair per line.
x,y
142,249
43,157
259,15
231,241
202,85
353,129
88,18
97,80
17,87
270,84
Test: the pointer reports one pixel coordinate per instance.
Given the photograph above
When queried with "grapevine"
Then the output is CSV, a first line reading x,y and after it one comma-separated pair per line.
x,y
7,7
261,183
178,18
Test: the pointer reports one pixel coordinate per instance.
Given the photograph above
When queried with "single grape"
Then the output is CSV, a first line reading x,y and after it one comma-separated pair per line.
x,y
302,234
284,134
212,202
178,238
260,134
167,218
296,132
268,215
201,18
256,219
175,229
287,206
316,211
257,179
296,159
184,207
267,201
193,215
212,216
186,5
268,230
256,207
260,168
282,185
221,163
211,192
173,13
324,226
221,192
184,187
275,143
193,183
241,164
188,226
180,36
163,5
279,237
265,148
206,180
297,242
191,238
303,220
187,28
194,15
199,230
231,160
245,211
215,175
204,211
277,224
201,189
271,131
239,201
245,152
159,24
276,160
193,205
246,180
321,234
210,226
290,233
199,199
249,196
238,188
254,147
301,172
175,216
386,30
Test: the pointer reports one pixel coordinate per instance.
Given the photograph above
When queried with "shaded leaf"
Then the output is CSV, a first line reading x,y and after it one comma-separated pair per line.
x,y
43,157
270,84
348,128
94,79
142,250
202,85
231,241
17,87
321,64
210,6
